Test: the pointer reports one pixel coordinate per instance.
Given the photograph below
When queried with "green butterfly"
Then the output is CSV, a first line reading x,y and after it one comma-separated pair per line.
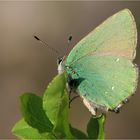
x,y
100,67
102,63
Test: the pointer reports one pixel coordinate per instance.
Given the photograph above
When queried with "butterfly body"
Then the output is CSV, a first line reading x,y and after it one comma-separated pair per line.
x,y
101,63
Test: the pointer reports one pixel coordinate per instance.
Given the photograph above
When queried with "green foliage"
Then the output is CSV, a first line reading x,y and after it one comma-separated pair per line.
x,y
48,118
95,127
33,113
25,131
55,104
77,133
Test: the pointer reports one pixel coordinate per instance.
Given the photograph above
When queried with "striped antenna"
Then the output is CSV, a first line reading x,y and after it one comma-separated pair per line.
x,y
46,45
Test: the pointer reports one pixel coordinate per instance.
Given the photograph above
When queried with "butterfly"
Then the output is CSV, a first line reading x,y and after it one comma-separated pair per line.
x,y
102,63
100,66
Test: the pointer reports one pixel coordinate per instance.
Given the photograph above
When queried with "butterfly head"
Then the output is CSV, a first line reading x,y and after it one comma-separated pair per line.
x,y
60,64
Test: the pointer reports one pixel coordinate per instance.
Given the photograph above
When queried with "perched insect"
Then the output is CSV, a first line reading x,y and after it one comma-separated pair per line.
x,y
100,67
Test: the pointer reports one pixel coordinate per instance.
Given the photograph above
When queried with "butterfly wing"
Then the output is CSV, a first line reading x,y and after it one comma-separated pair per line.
x,y
104,60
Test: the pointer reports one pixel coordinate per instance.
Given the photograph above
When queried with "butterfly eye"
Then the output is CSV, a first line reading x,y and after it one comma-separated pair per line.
x,y
59,60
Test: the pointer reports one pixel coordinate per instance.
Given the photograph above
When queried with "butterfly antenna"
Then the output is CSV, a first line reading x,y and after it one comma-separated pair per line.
x,y
69,39
68,43
46,45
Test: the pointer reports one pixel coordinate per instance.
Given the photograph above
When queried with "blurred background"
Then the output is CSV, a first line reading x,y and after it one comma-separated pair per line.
x,y
27,66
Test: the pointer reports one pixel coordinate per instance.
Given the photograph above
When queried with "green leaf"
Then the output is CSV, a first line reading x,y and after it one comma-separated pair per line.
x,y
95,127
23,131
56,106
33,113
53,97
77,133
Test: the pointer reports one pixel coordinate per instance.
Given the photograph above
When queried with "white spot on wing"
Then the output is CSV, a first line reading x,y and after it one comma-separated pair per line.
x,y
117,60
112,88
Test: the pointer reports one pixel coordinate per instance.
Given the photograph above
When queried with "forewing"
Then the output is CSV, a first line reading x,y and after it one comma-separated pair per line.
x,y
115,36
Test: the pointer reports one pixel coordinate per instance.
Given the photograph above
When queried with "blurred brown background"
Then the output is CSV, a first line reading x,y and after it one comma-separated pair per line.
x,y
26,66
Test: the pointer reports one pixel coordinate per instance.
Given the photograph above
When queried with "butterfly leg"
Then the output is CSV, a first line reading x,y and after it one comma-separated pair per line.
x,y
72,84
73,98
